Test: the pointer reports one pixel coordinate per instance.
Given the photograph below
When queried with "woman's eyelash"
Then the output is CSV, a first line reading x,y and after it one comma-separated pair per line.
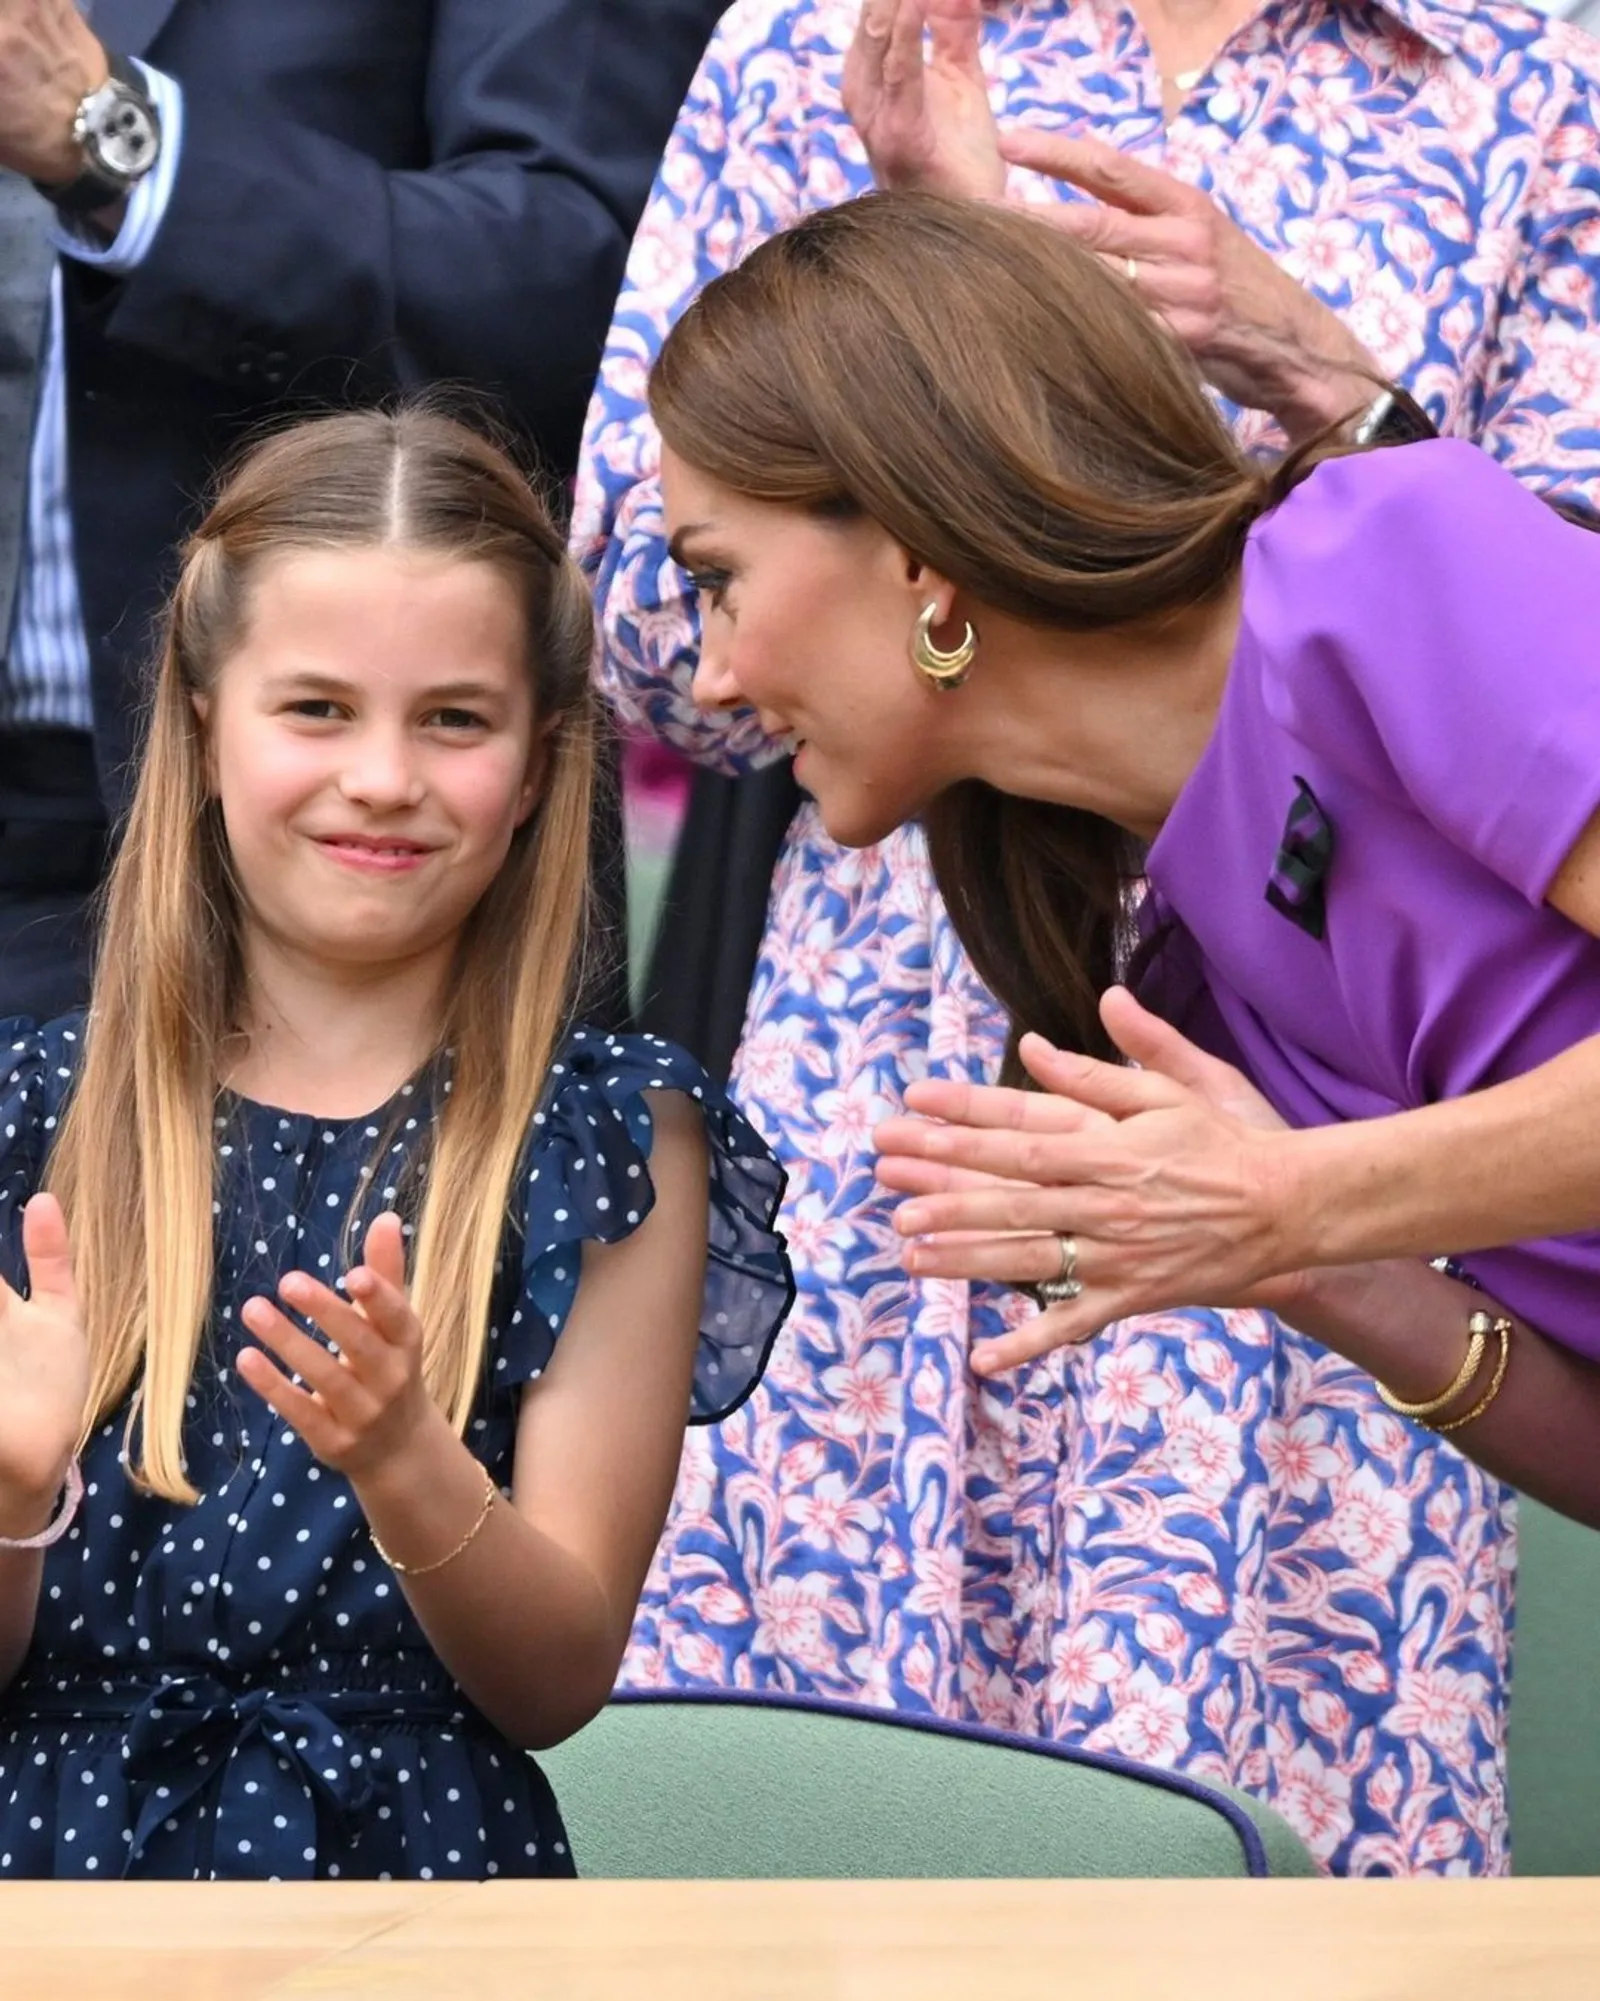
x,y
712,584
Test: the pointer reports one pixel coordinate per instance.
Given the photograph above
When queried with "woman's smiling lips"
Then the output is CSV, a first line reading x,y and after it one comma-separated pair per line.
x,y
374,854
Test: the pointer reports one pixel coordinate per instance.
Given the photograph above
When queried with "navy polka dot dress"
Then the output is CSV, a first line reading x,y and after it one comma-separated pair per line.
x,y
238,1689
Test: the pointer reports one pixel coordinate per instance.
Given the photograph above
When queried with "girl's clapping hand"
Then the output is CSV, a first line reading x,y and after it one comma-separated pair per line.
x,y
366,1401
44,1372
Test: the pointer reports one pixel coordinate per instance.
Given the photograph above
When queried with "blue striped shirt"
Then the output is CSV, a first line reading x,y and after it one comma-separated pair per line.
x,y
45,675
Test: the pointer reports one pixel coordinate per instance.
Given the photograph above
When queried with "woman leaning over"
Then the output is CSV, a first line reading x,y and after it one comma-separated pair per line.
x,y
1144,619
1205,1542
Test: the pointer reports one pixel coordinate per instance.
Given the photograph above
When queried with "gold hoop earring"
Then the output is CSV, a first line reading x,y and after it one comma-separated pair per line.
x,y
941,669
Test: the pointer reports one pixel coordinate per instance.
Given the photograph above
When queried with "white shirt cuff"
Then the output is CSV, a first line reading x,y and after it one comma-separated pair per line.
x,y
147,204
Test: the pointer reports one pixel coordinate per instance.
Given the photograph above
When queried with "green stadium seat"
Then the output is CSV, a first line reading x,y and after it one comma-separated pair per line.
x,y
722,1784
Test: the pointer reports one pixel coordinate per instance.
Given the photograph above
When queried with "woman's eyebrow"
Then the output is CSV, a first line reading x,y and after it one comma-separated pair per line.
x,y
677,549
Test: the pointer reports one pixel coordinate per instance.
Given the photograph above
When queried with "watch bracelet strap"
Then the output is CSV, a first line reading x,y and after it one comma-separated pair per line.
x,y
1394,417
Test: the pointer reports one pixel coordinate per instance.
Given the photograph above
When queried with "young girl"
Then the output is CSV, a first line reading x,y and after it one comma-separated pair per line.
x,y
365,1295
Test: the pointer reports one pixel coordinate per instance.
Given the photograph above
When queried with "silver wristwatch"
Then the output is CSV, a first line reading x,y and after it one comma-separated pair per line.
x,y
1393,418
119,130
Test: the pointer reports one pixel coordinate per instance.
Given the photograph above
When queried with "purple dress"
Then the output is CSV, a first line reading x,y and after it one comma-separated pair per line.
x,y
1415,690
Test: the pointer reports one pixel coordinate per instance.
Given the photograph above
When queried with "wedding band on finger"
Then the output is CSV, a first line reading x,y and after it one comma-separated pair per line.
x,y
1066,1285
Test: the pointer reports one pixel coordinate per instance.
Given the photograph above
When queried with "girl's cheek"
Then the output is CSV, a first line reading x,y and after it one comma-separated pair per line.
x,y
271,784
484,788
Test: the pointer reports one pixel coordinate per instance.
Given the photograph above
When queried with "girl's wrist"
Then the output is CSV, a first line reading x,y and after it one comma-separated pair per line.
x,y
25,1515
404,1480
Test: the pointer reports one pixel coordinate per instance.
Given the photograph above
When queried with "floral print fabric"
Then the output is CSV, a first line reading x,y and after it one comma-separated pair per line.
x,y
1201,1540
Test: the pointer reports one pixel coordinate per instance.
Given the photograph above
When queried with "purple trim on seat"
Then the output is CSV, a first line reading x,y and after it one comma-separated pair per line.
x,y
1255,1852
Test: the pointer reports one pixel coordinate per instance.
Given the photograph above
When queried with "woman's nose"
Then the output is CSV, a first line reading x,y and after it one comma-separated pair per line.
x,y
714,684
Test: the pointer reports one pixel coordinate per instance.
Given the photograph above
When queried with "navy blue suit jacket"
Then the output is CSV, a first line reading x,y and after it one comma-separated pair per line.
x,y
373,194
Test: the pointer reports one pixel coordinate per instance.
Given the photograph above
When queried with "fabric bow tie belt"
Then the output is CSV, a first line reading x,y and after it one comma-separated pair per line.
x,y
1297,886
282,1747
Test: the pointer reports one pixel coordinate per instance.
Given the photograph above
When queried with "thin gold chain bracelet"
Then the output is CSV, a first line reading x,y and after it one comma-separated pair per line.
x,y
491,1493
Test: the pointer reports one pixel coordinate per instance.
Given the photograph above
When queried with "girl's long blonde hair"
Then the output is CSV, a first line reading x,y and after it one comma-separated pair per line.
x,y
133,1163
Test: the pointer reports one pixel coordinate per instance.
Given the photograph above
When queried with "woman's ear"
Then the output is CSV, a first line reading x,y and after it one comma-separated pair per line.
x,y
927,587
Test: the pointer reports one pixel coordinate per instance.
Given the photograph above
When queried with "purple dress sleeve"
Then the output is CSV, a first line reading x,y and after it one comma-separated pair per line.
x,y
1442,635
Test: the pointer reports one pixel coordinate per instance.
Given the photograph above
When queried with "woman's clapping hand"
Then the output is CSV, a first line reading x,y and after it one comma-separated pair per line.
x,y
1168,1177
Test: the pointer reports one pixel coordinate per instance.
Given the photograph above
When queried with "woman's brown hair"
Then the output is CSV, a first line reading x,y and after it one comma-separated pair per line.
x,y
998,400
133,1162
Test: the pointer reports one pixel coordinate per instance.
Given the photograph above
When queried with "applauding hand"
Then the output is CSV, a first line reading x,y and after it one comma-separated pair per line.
x,y
1258,335
1166,1177
367,1403
924,120
44,1373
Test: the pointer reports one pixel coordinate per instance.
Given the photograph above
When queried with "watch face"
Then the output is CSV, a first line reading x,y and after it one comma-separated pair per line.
x,y
121,135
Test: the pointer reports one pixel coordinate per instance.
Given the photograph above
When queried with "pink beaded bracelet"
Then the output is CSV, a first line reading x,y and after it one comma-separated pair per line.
x,y
70,1500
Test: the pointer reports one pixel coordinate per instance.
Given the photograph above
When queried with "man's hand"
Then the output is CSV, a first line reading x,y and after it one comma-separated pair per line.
x,y
49,62
1259,337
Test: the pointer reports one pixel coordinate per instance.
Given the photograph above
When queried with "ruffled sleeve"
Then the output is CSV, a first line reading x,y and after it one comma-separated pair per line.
x,y
36,1068
587,1178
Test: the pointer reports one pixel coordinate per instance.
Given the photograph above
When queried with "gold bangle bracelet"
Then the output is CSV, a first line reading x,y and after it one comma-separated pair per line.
x,y
491,1493
1478,1328
1503,1328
